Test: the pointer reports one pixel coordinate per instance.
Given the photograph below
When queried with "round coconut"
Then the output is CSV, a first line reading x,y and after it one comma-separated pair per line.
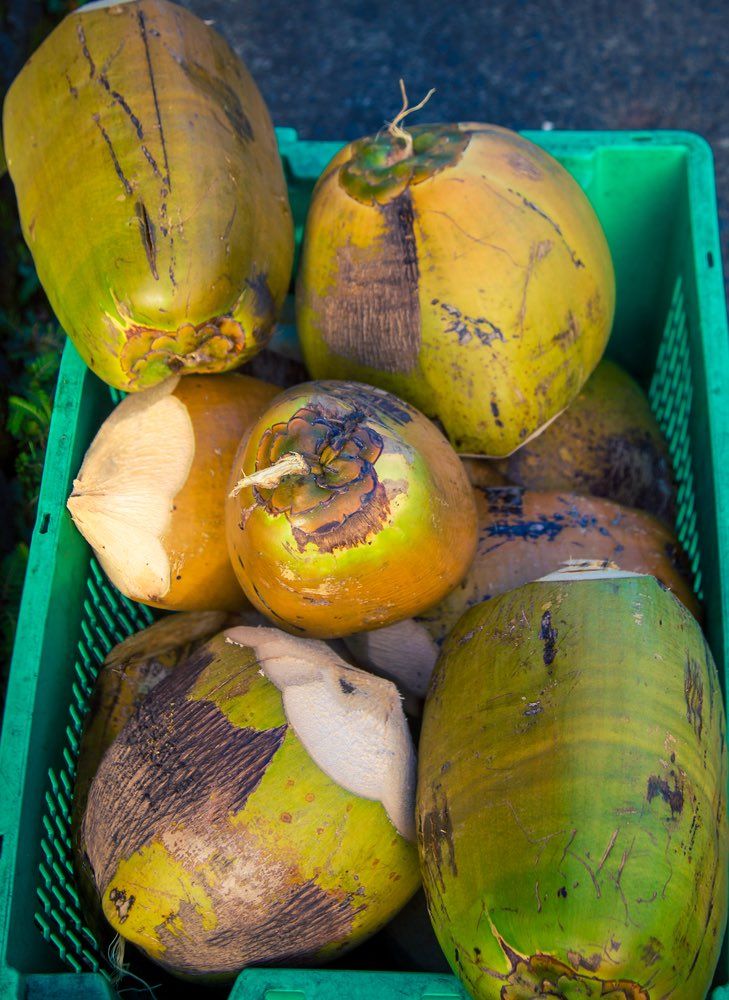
x,y
461,267
257,809
348,510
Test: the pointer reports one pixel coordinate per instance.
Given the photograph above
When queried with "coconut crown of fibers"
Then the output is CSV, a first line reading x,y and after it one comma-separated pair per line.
x,y
350,722
123,496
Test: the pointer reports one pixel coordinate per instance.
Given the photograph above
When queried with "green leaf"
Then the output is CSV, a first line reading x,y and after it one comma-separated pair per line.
x,y
36,407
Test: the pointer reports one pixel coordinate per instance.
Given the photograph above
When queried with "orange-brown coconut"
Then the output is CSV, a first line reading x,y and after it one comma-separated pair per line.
x,y
348,510
150,495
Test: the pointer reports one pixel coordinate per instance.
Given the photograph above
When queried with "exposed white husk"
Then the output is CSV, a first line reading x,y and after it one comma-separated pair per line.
x,y
404,653
350,722
586,569
98,5
123,497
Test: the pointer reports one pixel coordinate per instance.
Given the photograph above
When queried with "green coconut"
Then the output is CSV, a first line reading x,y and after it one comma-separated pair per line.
x,y
571,794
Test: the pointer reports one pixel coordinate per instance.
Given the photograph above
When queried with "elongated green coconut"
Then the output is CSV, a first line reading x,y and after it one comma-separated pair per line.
x,y
258,808
150,192
572,794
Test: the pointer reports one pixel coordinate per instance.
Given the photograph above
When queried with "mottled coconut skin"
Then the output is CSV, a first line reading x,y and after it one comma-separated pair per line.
x,y
572,795
607,443
380,525
171,250
216,842
467,274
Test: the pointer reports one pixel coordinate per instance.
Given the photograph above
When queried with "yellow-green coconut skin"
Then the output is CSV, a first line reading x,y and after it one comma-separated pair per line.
x,y
572,796
464,271
150,192
215,840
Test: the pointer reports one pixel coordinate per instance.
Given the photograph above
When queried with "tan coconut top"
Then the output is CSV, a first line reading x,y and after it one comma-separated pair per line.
x,y
123,496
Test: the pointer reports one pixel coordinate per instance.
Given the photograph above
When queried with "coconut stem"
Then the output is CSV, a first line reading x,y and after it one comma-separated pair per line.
x,y
397,132
291,464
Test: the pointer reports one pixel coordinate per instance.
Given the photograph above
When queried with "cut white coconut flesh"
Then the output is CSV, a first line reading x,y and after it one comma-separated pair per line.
x,y
123,497
98,4
404,653
587,569
350,722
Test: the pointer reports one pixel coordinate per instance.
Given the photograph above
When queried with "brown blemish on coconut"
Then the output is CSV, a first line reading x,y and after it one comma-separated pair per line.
x,y
319,917
524,166
555,226
222,95
468,328
121,902
436,835
377,405
203,348
541,975
630,468
568,336
147,234
504,501
672,796
224,765
335,499
355,530
694,693
548,635
384,334
591,963
263,296
651,952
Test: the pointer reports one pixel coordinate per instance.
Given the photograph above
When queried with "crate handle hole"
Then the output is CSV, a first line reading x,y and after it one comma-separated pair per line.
x,y
710,258
44,524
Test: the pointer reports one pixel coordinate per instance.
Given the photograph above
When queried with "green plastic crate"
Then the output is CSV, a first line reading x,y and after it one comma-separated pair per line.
x,y
654,194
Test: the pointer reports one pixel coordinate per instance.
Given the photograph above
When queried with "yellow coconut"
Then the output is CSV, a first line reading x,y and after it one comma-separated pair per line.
x,y
571,799
462,268
150,495
257,809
